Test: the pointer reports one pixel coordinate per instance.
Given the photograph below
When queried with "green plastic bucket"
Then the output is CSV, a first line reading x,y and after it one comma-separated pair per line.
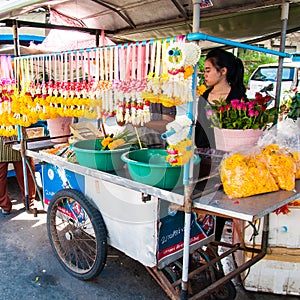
x,y
149,166
88,154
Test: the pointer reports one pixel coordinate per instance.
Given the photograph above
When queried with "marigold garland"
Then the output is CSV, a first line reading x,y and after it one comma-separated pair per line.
x,y
102,98
180,153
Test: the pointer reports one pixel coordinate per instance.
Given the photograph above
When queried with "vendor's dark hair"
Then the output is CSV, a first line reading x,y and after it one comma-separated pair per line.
x,y
235,69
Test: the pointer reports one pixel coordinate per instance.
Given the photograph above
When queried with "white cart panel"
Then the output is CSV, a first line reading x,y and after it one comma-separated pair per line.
x,y
131,223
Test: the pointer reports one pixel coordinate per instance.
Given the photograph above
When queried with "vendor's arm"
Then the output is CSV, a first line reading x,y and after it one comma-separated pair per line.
x,y
160,125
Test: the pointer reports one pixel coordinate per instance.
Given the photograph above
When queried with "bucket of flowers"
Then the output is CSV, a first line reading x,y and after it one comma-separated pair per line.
x,y
104,153
240,123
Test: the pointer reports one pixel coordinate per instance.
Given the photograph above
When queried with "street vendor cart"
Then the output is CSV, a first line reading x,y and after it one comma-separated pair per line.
x,y
89,209
168,230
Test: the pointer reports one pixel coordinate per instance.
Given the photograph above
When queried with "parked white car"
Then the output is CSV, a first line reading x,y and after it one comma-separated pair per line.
x,y
266,76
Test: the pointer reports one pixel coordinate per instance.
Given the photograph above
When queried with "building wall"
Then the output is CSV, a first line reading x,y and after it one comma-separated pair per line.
x,y
292,43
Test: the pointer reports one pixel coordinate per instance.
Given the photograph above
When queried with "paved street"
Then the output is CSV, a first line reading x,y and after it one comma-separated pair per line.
x,y
29,269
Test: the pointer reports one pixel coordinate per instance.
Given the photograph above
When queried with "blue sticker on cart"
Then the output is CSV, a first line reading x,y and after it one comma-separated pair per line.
x,y
171,233
56,178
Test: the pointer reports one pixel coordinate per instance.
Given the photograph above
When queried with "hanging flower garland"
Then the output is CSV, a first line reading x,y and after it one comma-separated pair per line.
x,y
125,94
178,130
48,101
175,87
180,153
131,107
7,89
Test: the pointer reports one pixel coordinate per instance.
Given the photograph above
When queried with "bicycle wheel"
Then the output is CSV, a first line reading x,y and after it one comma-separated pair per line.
x,y
77,234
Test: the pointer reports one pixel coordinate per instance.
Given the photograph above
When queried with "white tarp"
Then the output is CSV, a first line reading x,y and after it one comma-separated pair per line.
x,y
61,40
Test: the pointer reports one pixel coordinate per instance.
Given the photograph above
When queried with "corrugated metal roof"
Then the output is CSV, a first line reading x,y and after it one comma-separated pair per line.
x,y
136,20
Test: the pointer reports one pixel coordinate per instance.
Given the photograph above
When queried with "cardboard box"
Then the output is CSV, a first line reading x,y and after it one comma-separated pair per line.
x,y
85,131
33,132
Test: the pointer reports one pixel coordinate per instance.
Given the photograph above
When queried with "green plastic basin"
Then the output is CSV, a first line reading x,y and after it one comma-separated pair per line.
x,y
149,166
88,154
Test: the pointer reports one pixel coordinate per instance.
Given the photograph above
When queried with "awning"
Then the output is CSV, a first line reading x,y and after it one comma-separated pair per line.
x,y
132,20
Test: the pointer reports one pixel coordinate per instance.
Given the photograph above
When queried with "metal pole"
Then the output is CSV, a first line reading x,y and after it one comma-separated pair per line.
x,y
16,39
21,130
284,19
199,36
188,173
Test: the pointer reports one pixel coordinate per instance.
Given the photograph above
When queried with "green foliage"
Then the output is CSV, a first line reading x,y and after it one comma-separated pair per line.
x,y
252,59
201,70
241,115
294,110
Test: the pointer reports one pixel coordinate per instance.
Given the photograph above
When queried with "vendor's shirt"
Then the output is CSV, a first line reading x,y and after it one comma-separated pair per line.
x,y
150,137
204,132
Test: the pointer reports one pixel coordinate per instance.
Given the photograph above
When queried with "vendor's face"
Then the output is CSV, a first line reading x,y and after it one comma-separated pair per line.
x,y
212,75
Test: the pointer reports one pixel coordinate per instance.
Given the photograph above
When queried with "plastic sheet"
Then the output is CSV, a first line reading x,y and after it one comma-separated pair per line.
x,y
265,170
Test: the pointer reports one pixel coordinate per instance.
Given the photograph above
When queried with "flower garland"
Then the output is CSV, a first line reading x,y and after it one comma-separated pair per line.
x,y
200,90
180,153
131,107
126,95
48,101
175,87
178,130
7,89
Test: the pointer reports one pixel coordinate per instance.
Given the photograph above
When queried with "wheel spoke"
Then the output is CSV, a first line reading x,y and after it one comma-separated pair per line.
x,y
77,234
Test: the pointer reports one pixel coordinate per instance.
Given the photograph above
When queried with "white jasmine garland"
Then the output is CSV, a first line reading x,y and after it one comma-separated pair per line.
x,y
146,114
181,55
175,56
181,125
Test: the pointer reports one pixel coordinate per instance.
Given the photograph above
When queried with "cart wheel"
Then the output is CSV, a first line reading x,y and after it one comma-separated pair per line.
x,y
225,292
77,234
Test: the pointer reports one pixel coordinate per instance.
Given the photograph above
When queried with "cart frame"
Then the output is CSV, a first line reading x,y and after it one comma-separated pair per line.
x,y
214,203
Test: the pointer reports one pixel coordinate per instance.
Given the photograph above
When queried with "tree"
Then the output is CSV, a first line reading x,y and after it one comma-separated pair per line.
x,y
252,59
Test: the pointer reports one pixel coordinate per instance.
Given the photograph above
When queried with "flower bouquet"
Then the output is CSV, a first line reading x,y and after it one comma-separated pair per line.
x,y
239,114
115,141
239,123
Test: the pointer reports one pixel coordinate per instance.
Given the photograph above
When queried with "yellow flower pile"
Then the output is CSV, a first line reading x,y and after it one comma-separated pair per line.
x,y
296,157
281,165
243,176
272,169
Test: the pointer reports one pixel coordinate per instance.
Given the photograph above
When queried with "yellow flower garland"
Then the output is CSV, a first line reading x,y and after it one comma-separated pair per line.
x,y
180,153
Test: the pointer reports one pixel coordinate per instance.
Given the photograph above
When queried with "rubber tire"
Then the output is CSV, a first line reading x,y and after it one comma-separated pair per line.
x,y
225,292
215,272
70,256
